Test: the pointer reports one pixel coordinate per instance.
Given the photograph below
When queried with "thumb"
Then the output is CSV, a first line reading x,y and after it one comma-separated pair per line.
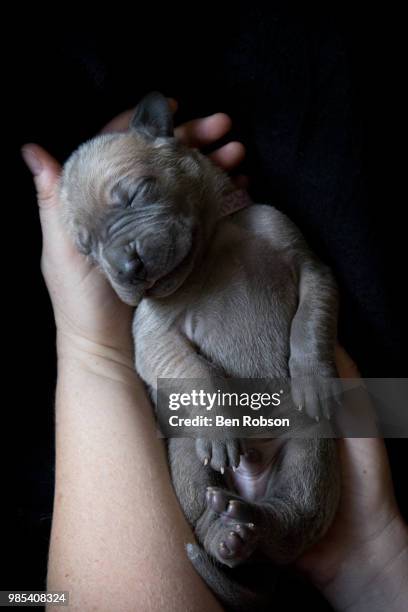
x,y
46,172
345,365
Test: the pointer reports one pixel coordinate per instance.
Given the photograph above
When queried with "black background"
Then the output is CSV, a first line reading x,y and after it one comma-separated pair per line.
x,y
313,95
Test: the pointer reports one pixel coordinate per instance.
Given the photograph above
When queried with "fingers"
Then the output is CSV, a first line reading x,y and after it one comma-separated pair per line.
x,y
120,123
229,156
197,133
201,132
46,172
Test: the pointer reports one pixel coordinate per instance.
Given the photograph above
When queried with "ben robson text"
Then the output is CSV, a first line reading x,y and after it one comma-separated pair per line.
x,y
221,421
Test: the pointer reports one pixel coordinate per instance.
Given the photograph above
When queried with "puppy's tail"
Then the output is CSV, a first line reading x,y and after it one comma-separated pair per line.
x,y
233,595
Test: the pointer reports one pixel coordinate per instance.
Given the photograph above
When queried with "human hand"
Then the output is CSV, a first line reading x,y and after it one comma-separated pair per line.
x,y
362,559
88,313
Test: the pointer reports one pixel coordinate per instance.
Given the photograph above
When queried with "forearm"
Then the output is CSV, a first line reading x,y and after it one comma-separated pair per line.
x,y
118,534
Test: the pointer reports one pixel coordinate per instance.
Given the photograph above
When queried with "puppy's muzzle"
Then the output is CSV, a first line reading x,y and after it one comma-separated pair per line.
x,y
126,265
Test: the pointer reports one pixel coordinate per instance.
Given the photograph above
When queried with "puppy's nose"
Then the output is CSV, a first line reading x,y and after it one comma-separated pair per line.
x,y
126,265
130,268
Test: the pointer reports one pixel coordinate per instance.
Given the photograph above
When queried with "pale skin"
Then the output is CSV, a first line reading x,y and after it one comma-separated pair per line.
x,y
118,534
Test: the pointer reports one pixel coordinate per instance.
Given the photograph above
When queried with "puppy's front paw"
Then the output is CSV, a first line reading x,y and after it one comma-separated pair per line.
x,y
219,454
317,396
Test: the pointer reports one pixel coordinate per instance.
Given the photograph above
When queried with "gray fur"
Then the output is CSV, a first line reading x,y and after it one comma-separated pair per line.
x,y
240,296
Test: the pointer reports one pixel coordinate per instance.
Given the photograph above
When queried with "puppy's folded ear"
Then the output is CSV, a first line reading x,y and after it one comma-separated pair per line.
x,y
153,116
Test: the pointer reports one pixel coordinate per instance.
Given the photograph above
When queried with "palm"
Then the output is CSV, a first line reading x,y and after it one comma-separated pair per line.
x,y
367,506
83,300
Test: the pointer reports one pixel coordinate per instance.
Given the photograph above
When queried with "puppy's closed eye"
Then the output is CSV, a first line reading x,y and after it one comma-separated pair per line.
x,y
128,193
146,190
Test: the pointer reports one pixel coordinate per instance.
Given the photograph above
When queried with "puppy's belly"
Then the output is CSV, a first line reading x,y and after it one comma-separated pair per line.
x,y
239,317
256,469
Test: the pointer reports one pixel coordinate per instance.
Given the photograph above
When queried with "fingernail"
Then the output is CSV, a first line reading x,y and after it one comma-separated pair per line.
x,y
31,160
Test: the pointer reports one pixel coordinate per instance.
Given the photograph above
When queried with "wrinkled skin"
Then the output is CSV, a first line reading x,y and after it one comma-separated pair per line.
x,y
138,204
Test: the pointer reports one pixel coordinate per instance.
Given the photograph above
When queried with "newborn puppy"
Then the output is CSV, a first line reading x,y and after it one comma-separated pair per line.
x,y
241,296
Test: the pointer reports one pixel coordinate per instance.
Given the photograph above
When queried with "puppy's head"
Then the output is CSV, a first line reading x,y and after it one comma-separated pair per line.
x,y
140,204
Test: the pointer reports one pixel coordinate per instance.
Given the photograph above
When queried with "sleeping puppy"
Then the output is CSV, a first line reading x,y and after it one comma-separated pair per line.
x,y
240,296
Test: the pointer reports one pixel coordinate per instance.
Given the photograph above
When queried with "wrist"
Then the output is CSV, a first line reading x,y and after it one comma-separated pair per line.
x,y
97,358
374,577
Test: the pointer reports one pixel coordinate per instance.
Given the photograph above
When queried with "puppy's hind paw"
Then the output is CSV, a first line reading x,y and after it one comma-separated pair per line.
x,y
234,535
